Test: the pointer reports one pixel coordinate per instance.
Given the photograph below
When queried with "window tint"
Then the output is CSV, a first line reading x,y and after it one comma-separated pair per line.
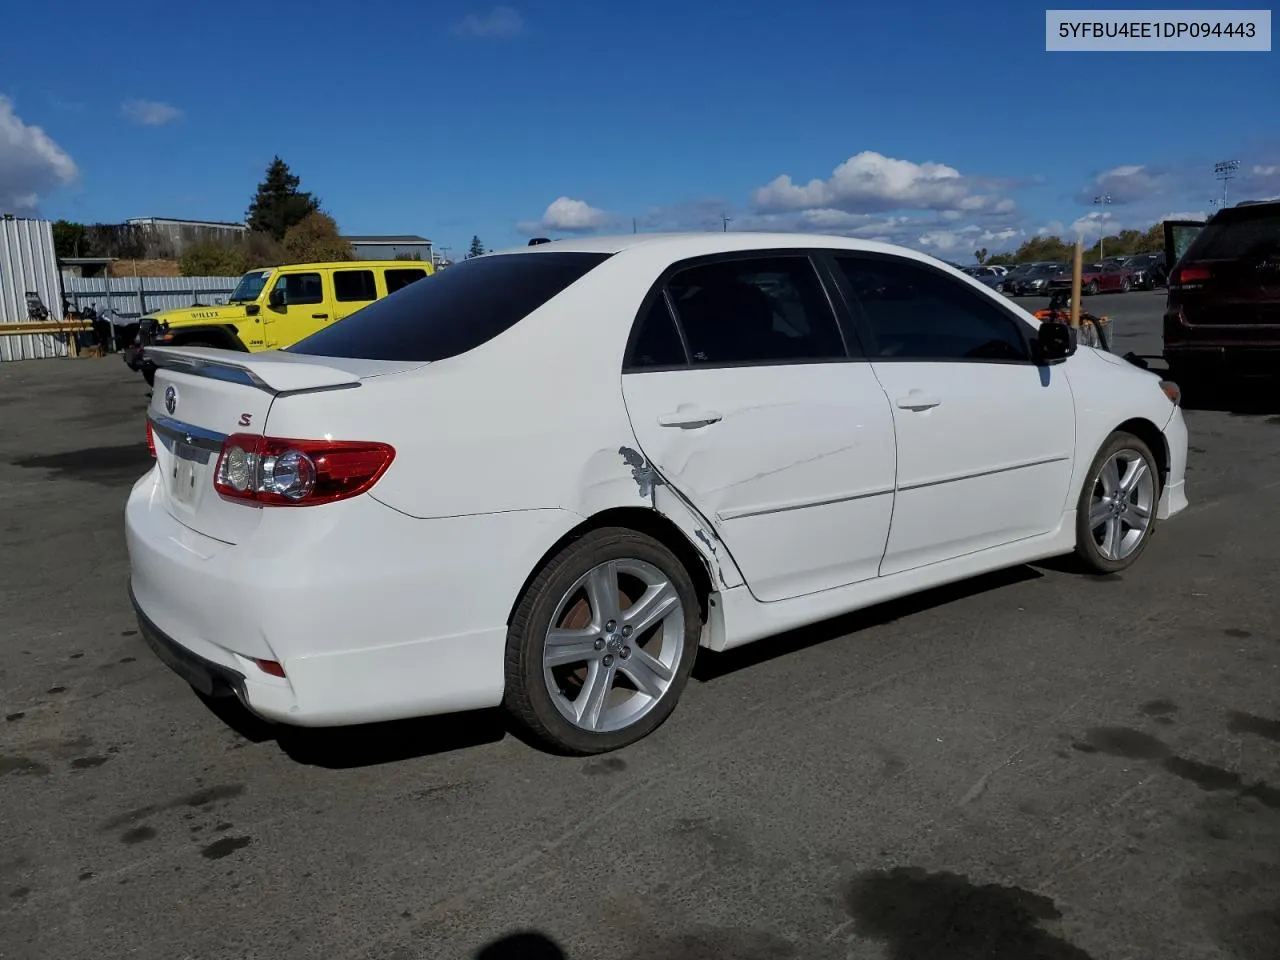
x,y
301,289
455,311
917,313
402,278
351,285
657,339
756,311
1244,235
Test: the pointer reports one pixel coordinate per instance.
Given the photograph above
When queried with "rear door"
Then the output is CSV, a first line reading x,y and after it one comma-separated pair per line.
x,y
305,306
985,438
742,393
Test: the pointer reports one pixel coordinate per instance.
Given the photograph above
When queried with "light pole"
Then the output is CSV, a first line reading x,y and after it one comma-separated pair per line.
x,y
1104,201
1225,171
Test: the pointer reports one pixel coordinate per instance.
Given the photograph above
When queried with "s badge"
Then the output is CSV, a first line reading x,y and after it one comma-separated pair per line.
x,y
245,418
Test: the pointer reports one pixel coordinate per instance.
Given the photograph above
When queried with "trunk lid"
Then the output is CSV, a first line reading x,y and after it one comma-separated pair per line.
x,y
203,395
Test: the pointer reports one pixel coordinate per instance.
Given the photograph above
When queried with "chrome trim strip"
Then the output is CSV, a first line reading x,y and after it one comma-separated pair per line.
x,y
173,431
741,513
981,473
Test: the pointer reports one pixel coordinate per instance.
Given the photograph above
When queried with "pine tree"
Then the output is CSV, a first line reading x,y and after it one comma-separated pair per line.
x,y
279,204
477,248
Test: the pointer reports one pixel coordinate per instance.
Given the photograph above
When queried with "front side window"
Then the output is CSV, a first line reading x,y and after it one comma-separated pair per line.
x,y
917,313
456,311
301,288
756,310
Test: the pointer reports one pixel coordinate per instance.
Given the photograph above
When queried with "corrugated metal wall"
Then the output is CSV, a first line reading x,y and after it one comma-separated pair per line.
x,y
134,296
28,263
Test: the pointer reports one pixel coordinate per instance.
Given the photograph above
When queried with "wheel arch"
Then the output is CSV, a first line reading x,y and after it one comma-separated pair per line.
x,y
646,520
1154,438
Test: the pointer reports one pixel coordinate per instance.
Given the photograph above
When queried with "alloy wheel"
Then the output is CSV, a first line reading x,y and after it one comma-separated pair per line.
x,y
614,646
1123,504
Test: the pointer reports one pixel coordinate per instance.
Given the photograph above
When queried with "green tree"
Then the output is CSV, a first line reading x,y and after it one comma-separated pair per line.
x,y
69,239
214,258
278,203
315,239
477,248
980,256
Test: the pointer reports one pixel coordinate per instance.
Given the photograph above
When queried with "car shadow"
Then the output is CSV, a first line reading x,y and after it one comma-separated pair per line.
x,y
1246,397
367,744
374,744
529,945
711,665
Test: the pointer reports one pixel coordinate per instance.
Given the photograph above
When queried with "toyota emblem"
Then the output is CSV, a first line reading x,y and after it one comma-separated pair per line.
x,y
170,399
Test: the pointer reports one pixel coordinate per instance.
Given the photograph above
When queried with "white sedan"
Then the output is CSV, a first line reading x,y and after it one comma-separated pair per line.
x,y
543,478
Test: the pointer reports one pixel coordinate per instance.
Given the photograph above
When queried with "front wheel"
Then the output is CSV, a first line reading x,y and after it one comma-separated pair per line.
x,y
602,643
1091,288
1116,513
1125,286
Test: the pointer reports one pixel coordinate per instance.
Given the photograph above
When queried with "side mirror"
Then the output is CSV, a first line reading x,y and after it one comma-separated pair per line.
x,y
276,297
1055,341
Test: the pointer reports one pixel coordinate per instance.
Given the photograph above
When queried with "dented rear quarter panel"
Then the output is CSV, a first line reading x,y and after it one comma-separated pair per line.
x,y
532,420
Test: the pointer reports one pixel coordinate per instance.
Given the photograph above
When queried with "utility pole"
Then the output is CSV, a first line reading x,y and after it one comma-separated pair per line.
x,y
1225,171
1104,201
725,220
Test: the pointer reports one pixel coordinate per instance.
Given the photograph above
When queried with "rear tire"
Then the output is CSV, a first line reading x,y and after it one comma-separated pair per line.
x,y
1091,288
624,652
1116,511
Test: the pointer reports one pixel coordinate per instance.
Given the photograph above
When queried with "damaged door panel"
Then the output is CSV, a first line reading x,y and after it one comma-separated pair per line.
x,y
792,464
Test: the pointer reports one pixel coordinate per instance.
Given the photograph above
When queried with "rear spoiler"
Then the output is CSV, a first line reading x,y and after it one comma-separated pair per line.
x,y
273,376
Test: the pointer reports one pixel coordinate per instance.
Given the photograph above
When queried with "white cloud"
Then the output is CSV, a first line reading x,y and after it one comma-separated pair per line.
x,y
30,163
1053,228
1185,215
965,239
498,22
1270,170
869,182
1129,183
567,215
149,113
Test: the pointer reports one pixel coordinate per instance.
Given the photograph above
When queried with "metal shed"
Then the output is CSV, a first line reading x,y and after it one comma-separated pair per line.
x,y
28,264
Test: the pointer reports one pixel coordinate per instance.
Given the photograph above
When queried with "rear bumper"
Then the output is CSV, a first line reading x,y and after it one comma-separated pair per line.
x,y
373,615
1226,359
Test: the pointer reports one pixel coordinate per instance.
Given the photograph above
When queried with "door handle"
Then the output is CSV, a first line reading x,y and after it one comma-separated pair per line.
x,y
918,400
319,316
689,418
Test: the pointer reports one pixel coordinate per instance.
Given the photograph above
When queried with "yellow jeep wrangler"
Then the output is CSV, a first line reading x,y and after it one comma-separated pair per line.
x,y
275,307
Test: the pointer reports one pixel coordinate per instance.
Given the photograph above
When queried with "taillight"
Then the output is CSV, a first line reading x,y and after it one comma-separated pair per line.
x,y
1185,275
151,439
297,473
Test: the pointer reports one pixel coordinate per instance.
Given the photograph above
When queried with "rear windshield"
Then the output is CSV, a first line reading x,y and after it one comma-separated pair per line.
x,y
453,311
1247,234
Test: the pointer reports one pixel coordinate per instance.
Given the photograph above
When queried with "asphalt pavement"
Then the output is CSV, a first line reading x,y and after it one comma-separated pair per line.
x,y
1032,764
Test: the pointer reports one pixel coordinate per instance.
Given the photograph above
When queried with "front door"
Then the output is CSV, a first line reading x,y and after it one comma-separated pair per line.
x,y
985,437
297,307
748,403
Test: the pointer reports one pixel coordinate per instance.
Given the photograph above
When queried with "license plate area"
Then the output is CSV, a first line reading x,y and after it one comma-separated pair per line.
x,y
188,465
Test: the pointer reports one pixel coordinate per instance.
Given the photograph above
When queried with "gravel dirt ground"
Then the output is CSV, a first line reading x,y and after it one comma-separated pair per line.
x,y
1032,764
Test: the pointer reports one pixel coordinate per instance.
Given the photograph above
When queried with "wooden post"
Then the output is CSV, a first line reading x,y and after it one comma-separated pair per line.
x,y
1077,268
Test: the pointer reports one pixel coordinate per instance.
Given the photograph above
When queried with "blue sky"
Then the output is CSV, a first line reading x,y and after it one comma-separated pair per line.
x,y
931,124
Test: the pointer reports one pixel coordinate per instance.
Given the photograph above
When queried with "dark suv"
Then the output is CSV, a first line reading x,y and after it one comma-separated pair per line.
x,y
1222,315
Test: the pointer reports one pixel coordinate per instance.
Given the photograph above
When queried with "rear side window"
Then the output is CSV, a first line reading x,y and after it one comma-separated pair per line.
x,y
354,285
402,278
1244,236
454,311
657,339
756,310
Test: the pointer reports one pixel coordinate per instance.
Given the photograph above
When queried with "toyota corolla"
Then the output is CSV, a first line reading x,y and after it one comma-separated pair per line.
x,y
545,478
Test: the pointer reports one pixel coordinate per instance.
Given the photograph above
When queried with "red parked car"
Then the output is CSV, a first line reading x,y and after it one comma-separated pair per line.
x,y
1104,277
